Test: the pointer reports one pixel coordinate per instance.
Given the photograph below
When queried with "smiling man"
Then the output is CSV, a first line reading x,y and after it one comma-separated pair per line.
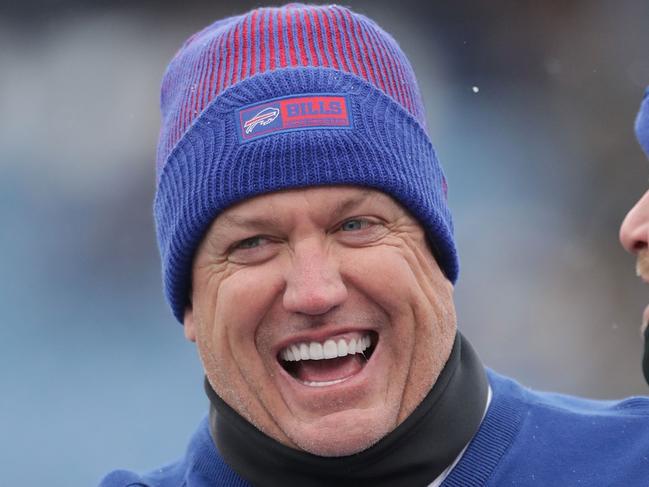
x,y
634,232
307,248
332,348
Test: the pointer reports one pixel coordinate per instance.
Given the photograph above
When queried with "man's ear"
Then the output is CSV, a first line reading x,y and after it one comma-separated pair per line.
x,y
189,324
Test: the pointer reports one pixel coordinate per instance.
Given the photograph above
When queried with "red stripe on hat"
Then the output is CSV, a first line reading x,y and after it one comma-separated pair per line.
x,y
219,74
262,55
335,33
399,93
344,41
404,88
309,38
354,43
253,53
191,100
300,41
183,114
210,89
366,51
408,87
374,63
236,54
328,37
406,102
384,64
228,60
245,49
280,38
291,40
209,70
271,44
325,59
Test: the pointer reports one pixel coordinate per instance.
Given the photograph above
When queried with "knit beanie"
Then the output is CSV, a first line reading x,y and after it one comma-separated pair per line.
x,y
642,123
289,97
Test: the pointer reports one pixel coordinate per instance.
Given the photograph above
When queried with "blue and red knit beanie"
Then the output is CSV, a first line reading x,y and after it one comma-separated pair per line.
x,y
289,97
642,123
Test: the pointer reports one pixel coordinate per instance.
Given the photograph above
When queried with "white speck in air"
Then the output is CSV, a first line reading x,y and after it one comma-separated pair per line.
x,y
475,89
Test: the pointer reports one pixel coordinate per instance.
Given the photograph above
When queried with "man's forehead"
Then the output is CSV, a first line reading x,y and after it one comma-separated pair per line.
x,y
272,207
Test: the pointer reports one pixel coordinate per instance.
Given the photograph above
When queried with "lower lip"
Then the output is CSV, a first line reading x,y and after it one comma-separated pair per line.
x,y
328,383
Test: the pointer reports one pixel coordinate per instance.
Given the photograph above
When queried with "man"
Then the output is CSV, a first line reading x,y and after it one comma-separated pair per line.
x,y
634,232
307,248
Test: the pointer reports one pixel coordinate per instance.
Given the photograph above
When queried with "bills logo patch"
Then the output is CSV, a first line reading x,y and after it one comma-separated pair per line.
x,y
265,117
293,113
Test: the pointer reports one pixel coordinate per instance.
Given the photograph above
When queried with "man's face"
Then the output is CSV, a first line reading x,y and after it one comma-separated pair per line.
x,y
634,235
283,280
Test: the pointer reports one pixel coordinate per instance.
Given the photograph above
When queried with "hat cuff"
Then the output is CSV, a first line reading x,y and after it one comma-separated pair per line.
x,y
211,168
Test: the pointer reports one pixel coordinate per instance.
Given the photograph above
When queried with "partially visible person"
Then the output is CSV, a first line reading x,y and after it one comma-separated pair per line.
x,y
634,232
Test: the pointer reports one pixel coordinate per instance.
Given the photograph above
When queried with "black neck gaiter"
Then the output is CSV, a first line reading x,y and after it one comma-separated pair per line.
x,y
412,455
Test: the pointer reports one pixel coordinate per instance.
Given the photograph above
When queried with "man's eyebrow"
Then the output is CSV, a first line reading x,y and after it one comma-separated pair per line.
x,y
349,204
260,222
252,223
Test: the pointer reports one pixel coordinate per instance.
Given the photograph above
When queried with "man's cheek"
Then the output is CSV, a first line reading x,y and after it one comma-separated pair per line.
x,y
383,276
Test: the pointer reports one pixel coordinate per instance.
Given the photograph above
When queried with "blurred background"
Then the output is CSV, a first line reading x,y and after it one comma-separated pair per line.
x,y
530,106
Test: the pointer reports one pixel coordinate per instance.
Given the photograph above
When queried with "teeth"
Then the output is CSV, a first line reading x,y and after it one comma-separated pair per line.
x,y
304,351
315,350
327,350
289,355
325,383
330,349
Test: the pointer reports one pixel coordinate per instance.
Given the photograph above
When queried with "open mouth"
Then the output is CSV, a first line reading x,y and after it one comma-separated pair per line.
x,y
321,364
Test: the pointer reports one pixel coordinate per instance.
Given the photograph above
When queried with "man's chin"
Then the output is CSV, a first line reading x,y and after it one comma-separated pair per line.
x,y
343,433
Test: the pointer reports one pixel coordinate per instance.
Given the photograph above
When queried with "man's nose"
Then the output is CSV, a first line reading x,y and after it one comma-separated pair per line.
x,y
313,282
634,232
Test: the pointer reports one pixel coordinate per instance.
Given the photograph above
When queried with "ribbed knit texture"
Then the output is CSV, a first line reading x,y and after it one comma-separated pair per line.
x,y
642,123
204,167
267,39
497,432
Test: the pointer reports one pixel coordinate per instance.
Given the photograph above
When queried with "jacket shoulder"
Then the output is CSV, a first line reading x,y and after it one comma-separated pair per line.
x,y
571,406
122,478
574,406
169,476
565,440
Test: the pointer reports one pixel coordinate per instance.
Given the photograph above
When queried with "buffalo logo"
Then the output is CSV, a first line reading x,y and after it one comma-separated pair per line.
x,y
264,117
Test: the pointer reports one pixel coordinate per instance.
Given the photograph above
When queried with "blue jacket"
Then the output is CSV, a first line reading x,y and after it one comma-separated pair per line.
x,y
527,438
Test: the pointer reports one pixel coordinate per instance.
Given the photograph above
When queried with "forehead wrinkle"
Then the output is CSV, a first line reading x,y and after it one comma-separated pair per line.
x,y
348,204
233,220
249,222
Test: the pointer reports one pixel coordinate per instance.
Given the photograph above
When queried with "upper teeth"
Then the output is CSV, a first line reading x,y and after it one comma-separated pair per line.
x,y
328,349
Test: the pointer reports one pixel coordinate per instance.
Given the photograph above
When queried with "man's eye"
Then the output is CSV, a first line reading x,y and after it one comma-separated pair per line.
x,y
253,250
354,224
249,243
